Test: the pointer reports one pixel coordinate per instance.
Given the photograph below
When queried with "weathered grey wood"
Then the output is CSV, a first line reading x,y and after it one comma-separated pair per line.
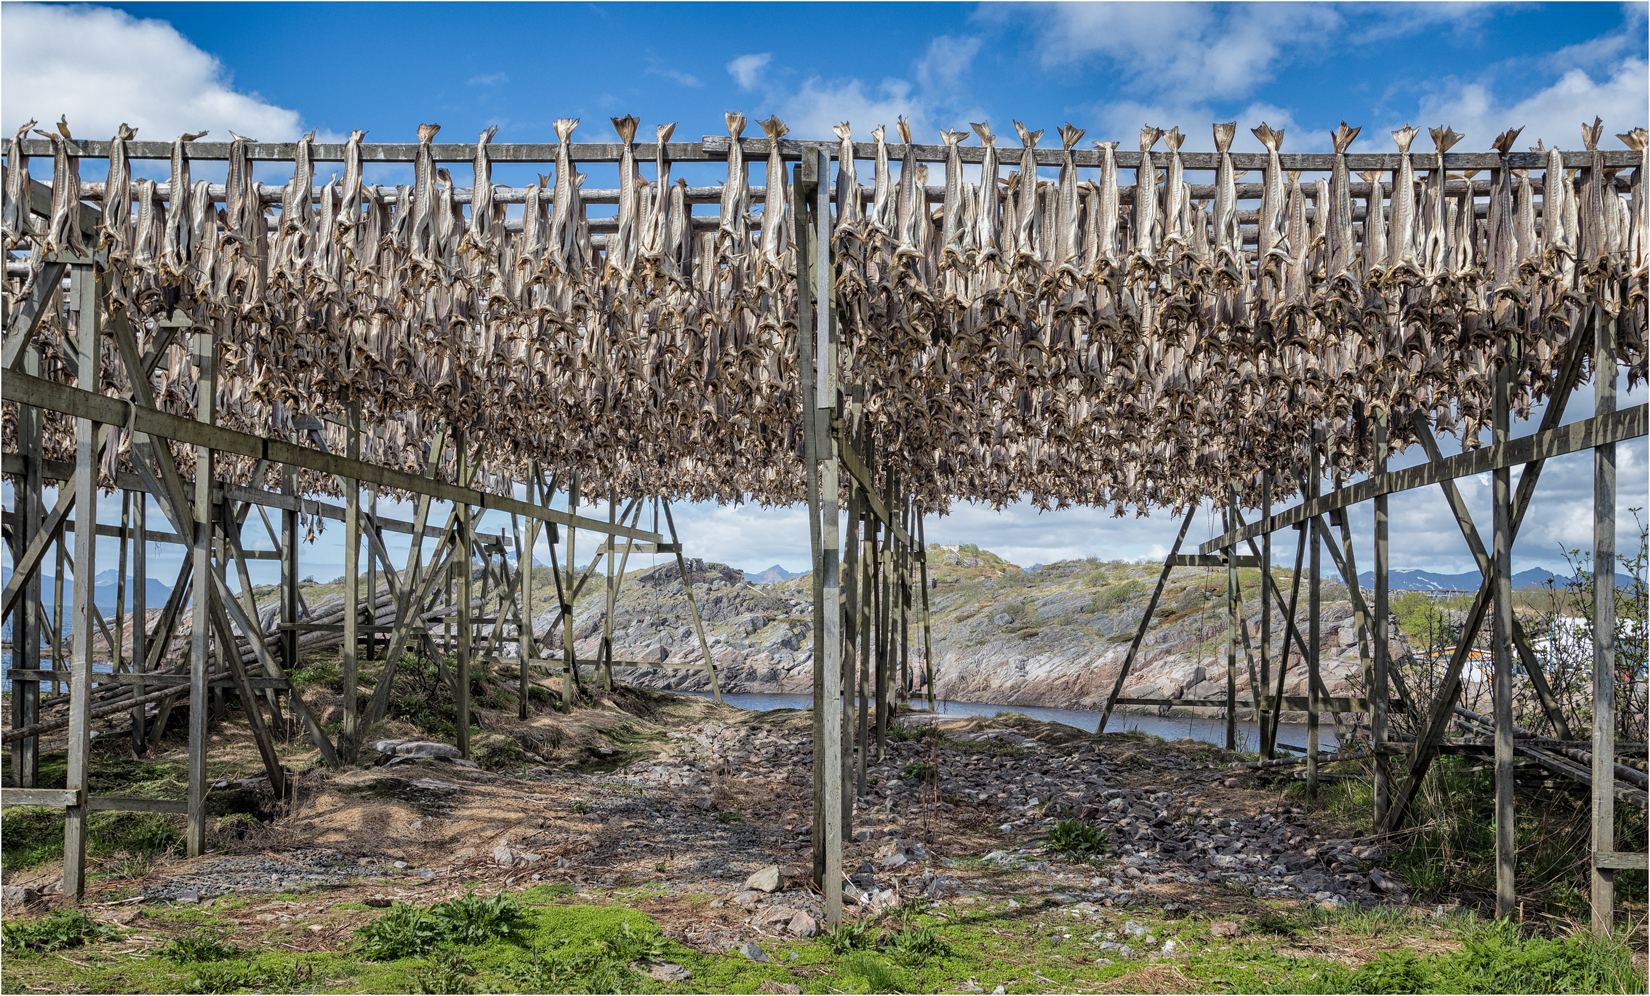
x,y
140,609
1603,891
393,152
1231,640
39,797
927,633
1382,622
29,619
1145,621
1506,895
1475,544
1314,610
862,474
21,327
83,297
110,803
1600,430
27,390
1210,560
1621,860
205,353
1246,161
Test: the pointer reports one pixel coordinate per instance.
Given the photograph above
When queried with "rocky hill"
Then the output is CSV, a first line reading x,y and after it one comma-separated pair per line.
x,y
1054,636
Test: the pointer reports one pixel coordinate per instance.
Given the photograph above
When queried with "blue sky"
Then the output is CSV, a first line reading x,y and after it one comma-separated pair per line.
x,y
272,71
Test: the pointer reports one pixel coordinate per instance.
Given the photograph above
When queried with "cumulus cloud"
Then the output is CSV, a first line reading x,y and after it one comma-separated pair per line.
x,y
1554,114
674,75
747,69
102,67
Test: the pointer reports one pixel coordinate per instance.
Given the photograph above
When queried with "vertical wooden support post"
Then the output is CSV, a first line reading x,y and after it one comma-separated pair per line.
x,y
462,561
529,644
140,610
852,622
927,630
905,605
83,291
1232,623
885,592
808,349
569,658
1506,897
117,653
57,610
27,618
1604,631
1268,718
867,644
612,592
200,636
372,570
347,746
1314,607
289,582
1382,625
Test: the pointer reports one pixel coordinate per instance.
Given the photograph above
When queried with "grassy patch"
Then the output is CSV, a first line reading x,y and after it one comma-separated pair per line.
x,y
69,928
408,931
1077,841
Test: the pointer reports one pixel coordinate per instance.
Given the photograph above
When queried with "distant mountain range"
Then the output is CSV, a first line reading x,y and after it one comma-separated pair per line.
x,y
772,575
1535,577
103,594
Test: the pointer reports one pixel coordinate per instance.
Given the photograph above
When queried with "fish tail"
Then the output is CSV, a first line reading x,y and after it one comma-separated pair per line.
x,y
736,124
1270,137
983,129
1223,136
1070,135
427,132
1344,137
878,133
774,128
1504,142
664,132
1589,133
564,128
487,136
1149,137
1443,139
904,128
842,131
1404,136
626,127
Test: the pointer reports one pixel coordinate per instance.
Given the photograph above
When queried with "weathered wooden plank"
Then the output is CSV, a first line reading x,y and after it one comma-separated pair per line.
x,y
111,803
42,393
393,152
39,797
1210,560
1292,703
1600,430
1621,860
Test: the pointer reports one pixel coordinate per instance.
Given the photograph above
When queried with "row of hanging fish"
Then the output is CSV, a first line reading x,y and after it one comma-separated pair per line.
x,y
1072,340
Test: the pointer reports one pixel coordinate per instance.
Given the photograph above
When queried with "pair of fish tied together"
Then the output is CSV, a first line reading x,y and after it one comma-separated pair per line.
x,y
1068,340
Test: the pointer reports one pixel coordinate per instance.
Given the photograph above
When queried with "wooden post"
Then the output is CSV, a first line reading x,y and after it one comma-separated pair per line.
x,y
28,619
117,653
1145,621
867,645
1383,626
1506,897
570,660
462,562
1267,719
84,293
348,745
905,604
1604,633
1231,630
289,584
200,637
852,622
927,629
1314,607
828,405
372,572
527,642
140,611
612,592
809,375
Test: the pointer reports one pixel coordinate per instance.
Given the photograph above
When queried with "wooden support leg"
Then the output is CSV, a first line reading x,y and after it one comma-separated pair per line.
x,y
867,647
84,295
1604,635
348,742
1506,896
1268,718
1145,621
1232,623
140,609
927,626
28,620
289,577
1314,609
1383,627
205,351
464,565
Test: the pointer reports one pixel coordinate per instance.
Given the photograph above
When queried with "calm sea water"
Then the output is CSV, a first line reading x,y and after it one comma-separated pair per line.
x,y
1210,730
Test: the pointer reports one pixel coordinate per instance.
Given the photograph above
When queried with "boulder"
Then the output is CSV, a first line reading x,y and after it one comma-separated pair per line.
x,y
764,880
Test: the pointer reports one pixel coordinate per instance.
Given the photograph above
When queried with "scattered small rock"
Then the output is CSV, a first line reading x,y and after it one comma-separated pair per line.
x,y
764,880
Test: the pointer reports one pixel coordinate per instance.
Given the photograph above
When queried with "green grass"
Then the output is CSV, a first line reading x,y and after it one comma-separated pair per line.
x,y
68,928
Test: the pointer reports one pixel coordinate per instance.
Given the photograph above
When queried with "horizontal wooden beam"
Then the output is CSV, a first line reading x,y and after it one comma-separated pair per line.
x,y
157,680
1629,423
1211,560
394,152
1292,703
1009,156
1621,860
39,797
28,390
111,803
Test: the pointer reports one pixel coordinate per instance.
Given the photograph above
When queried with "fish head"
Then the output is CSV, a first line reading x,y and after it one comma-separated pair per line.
x,y
1149,137
426,133
1403,136
1504,142
774,128
1070,135
736,123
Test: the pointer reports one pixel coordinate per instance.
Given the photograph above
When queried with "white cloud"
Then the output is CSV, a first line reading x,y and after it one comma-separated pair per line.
x,y
491,79
1553,115
946,60
818,104
674,75
747,69
101,67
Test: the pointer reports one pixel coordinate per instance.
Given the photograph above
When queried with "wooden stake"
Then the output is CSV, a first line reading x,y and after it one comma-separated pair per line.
x,y
1506,896
206,357
349,744
1383,627
84,293
1268,718
1604,634
1314,609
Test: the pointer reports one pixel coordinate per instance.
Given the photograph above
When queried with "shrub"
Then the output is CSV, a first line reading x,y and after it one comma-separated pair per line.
x,y
199,945
1077,840
408,930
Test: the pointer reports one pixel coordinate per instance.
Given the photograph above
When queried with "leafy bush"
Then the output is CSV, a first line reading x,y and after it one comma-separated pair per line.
x,y
404,931
64,929
407,930
851,935
470,919
229,978
199,945
1077,840
628,945
915,945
